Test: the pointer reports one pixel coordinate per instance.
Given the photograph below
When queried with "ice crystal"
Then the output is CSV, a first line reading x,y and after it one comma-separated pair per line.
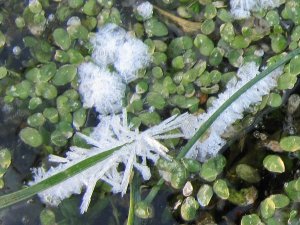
x,y
112,131
241,9
100,88
212,142
116,59
145,10
114,46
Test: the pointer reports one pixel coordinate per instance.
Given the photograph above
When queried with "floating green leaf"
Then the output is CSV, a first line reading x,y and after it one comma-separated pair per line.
x,y
247,173
204,195
31,136
221,189
267,208
290,143
252,219
274,163
64,75
280,200
62,38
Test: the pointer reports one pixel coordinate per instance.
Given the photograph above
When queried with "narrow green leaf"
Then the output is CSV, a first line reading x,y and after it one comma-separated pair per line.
x,y
220,110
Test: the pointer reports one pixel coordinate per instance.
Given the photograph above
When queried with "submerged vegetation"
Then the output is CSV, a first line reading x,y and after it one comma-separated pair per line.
x,y
205,90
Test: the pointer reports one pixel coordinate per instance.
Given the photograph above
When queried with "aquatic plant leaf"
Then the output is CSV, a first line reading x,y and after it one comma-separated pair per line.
x,y
31,136
274,163
204,195
267,208
189,208
251,219
290,144
280,200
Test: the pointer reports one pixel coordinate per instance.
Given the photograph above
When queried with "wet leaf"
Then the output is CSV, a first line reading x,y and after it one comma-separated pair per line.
x,y
247,173
295,65
290,143
47,217
267,208
252,219
31,137
64,75
5,158
189,208
274,163
221,189
155,28
3,72
204,195
62,38
280,200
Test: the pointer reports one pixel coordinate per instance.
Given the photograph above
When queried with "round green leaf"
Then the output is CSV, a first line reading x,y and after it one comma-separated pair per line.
x,y
252,219
274,163
290,143
221,189
280,200
62,38
204,195
3,72
64,75
267,208
247,173
31,136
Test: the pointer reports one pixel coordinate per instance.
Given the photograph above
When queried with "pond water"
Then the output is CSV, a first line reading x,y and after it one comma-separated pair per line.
x,y
167,87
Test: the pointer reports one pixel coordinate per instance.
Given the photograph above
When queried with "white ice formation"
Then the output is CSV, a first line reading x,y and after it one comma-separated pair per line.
x,y
111,132
102,86
241,9
145,10
114,46
212,142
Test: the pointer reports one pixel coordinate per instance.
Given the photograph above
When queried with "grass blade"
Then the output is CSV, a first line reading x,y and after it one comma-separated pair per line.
x,y
23,194
206,125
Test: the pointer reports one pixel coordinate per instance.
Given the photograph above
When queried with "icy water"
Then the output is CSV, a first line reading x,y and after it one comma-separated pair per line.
x,y
113,209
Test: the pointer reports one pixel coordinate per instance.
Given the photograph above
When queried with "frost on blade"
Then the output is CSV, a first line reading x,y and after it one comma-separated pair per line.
x,y
100,88
114,46
112,131
212,142
145,10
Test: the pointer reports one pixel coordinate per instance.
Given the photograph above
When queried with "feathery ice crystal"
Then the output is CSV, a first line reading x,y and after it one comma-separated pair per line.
x,y
214,142
100,88
241,9
111,132
145,10
114,46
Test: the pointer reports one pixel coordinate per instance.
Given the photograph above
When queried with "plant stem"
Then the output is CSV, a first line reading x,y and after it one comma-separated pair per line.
x,y
206,125
130,220
186,25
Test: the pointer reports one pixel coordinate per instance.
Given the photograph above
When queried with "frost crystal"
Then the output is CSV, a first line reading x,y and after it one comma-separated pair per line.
x,y
114,46
117,57
100,88
131,56
116,169
241,9
145,10
213,141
